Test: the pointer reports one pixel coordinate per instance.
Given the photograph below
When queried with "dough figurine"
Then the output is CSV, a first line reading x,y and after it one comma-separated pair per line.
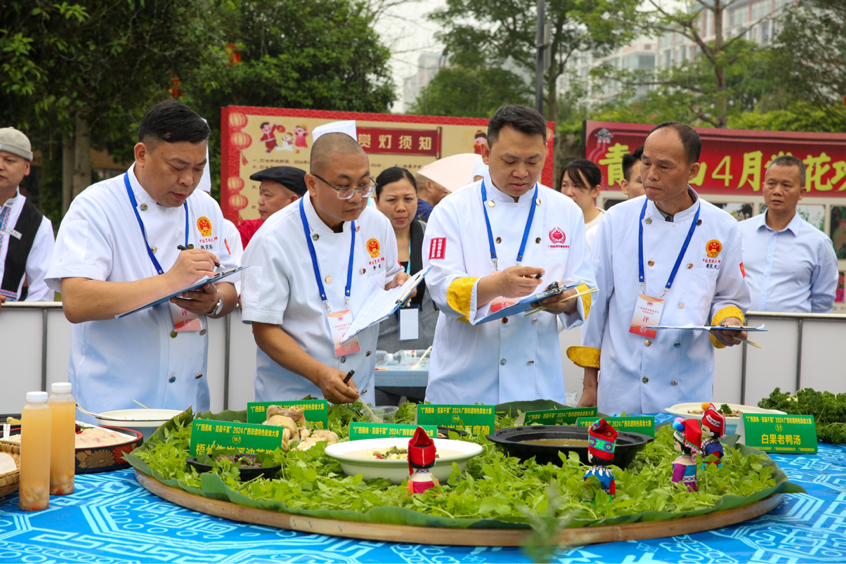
x,y
421,457
687,439
602,439
713,427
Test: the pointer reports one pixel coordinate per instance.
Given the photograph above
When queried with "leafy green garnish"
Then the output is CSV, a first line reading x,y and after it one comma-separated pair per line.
x,y
829,410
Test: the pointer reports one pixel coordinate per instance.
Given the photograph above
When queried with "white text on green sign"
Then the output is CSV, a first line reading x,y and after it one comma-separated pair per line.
x,y
780,433
360,431
316,411
642,425
475,419
566,416
209,436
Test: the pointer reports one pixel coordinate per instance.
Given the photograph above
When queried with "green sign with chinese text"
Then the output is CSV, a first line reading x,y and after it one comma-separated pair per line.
x,y
475,419
360,431
566,416
209,436
782,434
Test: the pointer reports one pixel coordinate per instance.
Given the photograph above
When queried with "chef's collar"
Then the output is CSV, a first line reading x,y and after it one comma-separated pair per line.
x,y
144,197
315,224
498,195
682,215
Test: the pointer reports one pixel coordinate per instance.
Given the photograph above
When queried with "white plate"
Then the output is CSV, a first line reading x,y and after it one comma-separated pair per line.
x,y
145,421
683,410
397,470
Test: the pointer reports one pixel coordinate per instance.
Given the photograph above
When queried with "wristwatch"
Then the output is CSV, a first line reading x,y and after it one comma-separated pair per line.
x,y
218,307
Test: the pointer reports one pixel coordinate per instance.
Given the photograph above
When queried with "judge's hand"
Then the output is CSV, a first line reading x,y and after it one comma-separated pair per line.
x,y
331,383
399,280
518,281
588,398
727,337
2,299
200,302
555,305
190,266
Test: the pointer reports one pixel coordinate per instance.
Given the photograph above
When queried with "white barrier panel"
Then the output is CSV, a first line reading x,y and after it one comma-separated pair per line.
x,y
809,350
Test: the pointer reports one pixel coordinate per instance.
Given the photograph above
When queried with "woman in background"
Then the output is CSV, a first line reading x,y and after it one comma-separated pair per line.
x,y
582,181
396,198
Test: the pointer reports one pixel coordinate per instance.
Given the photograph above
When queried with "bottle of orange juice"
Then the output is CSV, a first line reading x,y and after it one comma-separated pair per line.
x,y
63,451
36,426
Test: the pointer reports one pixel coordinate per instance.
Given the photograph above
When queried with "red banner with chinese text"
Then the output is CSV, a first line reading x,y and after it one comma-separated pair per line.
x,y
411,142
733,161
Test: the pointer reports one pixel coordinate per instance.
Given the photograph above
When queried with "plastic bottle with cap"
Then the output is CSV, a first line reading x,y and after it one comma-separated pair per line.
x,y
63,450
36,425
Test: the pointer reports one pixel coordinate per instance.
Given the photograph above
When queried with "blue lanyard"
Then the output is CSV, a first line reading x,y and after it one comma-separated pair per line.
x,y
525,231
141,223
320,287
678,260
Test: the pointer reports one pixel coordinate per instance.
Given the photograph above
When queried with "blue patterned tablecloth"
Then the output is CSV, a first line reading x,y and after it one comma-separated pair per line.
x,y
111,518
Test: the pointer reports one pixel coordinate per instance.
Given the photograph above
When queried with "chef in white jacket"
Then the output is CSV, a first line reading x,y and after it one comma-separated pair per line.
x,y
504,237
117,250
668,258
312,267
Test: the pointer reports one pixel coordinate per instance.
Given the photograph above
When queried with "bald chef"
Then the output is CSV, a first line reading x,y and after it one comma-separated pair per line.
x,y
667,258
117,250
502,238
313,266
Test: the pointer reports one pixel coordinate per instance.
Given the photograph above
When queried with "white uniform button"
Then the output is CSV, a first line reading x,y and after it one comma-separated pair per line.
x,y
203,332
505,320
648,220
681,306
537,201
198,376
143,207
538,240
328,279
676,345
644,380
498,240
362,271
172,379
535,320
491,203
502,362
651,263
315,237
647,342
154,249
531,362
674,383
343,359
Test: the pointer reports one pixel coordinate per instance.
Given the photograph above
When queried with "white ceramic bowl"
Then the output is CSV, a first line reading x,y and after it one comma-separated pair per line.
x,y
683,410
397,470
145,421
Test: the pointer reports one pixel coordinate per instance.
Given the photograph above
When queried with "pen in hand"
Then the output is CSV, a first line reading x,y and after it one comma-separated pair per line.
x,y
184,248
349,375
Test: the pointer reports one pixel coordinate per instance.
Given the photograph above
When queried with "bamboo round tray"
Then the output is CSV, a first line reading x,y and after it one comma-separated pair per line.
x,y
408,534
9,482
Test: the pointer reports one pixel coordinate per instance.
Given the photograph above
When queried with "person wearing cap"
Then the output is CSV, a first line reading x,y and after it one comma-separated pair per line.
x,y
489,244
669,259
26,236
312,267
713,427
280,186
119,248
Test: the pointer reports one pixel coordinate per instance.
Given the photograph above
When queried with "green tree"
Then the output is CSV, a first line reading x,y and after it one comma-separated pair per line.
x,y
810,56
463,92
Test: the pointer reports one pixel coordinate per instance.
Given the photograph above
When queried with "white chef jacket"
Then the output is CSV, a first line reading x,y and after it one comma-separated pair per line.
x,y
234,246
591,228
499,361
280,288
113,362
793,270
39,256
641,375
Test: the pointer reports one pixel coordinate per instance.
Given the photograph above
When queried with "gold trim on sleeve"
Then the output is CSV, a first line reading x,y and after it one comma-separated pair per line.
x,y
722,315
586,357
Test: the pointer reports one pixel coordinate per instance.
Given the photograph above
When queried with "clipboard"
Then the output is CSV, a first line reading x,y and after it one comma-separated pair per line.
x,y
381,305
195,286
692,327
525,304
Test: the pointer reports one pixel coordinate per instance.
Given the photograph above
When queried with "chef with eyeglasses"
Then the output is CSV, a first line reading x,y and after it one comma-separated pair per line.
x,y
313,266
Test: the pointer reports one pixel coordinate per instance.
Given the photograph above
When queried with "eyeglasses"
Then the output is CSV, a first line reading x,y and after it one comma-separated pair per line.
x,y
346,192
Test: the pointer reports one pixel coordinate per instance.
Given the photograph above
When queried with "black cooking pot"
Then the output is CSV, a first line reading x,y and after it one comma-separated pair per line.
x,y
513,440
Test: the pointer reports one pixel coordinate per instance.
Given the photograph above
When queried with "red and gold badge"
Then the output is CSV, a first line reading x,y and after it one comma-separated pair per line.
x,y
713,248
205,226
373,248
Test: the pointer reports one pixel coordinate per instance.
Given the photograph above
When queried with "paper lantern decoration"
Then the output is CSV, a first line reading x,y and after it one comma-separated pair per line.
x,y
235,184
237,202
237,120
240,141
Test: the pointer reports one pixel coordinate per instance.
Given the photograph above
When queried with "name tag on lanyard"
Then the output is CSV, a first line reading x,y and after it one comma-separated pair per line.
x,y
647,312
408,323
338,322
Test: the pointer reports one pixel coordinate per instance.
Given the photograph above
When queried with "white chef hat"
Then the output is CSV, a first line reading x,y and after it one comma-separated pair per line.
x,y
347,127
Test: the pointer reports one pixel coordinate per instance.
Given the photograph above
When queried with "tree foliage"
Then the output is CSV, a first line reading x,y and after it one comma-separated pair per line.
x,y
463,92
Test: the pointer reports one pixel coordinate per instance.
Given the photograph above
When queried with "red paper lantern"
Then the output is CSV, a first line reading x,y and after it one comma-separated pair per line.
x,y
237,120
237,202
234,184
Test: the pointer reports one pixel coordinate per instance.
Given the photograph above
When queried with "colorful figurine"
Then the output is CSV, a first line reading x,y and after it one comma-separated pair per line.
x,y
713,427
602,439
421,457
687,440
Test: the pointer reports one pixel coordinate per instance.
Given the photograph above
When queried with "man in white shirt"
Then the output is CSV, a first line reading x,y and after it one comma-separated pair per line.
x,y
493,242
312,267
790,264
667,259
26,236
118,249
